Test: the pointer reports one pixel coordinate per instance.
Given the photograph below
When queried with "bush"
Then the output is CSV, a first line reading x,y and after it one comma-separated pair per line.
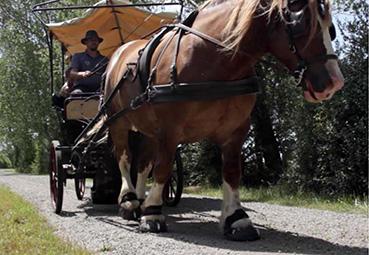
x,y
5,161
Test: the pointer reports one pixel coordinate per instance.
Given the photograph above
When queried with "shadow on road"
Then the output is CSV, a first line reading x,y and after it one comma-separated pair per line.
x,y
272,240
185,225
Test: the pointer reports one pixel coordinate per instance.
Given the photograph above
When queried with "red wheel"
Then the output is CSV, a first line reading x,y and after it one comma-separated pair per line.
x,y
56,177
80,186
173,188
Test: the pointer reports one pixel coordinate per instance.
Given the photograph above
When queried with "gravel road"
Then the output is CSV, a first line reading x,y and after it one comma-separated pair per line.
x,y
193,226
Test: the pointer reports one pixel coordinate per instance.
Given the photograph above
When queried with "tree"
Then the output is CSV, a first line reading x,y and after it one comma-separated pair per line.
x,y
27,120
23,96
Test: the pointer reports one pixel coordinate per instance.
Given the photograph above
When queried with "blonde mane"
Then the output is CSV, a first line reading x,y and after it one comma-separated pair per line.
x,y
240,20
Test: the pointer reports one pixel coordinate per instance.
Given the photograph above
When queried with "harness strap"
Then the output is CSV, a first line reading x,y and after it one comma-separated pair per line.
x,y
201,35
148,60
202,90
117,115
321,58
144,61
173,68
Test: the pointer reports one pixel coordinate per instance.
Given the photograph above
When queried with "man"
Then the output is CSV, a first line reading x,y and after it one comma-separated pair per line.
x,y
87,67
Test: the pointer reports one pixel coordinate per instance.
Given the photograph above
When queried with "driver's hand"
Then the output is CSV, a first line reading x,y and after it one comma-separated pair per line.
x,y
86,74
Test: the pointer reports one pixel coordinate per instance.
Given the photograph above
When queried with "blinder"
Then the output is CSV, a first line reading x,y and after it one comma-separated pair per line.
x,y
298,26
332,32
323,12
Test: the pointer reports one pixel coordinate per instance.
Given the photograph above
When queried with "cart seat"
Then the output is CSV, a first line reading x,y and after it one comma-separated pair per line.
x,y
81,106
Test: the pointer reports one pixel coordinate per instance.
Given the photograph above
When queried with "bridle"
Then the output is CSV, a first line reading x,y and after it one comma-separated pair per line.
x,y
295,28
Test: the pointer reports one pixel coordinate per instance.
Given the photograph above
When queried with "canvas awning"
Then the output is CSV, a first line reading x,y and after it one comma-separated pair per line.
x,y
116,25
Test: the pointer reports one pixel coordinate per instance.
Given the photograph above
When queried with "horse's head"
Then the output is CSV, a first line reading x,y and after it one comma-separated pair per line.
x,y
302,40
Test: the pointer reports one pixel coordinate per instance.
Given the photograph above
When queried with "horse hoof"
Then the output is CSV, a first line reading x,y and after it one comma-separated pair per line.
x,y
238,227
249,233
130,207
130,215
153,226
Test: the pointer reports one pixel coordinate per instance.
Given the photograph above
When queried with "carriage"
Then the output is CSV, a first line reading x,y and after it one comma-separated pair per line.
x,y
118,22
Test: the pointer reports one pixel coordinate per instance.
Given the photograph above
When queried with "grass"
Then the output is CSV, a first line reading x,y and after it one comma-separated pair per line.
x,y
23,231
279,195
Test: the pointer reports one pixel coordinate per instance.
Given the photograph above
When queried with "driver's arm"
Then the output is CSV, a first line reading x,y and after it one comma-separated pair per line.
x,y
76,66
76,75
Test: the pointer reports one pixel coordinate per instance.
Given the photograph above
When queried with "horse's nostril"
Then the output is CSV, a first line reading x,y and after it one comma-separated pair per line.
x,y
328,95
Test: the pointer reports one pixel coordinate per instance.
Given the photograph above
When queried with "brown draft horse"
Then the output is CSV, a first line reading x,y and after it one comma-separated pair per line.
x,y
296,32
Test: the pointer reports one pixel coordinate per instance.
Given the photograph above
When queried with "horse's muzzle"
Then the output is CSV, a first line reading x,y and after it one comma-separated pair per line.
x,y
335,84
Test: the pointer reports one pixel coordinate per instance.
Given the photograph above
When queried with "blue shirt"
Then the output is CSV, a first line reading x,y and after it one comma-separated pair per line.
x,y
84,62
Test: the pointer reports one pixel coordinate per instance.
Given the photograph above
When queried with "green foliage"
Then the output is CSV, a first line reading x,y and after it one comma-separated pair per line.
x,y
41,158
5,161
202,163
24,94
350,127
27,121
282,195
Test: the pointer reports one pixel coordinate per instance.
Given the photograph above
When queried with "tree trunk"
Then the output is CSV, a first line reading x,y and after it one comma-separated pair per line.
x,y
265,142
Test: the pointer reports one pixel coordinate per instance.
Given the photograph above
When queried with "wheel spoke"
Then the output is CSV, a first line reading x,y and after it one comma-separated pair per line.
x,y
172,190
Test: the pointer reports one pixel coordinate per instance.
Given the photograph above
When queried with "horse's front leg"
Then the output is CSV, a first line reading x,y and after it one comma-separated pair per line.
x,y
127,200
235,222
152,219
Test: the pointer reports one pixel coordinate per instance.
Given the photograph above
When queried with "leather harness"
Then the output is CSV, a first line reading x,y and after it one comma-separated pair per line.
x,y
182,91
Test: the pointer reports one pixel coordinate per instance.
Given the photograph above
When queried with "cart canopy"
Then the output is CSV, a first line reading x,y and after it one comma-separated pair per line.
x,y
116,25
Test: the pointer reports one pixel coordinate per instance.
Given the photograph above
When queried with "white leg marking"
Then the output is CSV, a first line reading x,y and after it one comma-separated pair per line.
x,y
231,202
141,181
127,186
160,218
154,197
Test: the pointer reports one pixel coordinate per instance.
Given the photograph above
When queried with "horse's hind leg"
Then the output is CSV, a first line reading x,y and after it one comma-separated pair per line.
x,y
144,155
235,222
128,202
